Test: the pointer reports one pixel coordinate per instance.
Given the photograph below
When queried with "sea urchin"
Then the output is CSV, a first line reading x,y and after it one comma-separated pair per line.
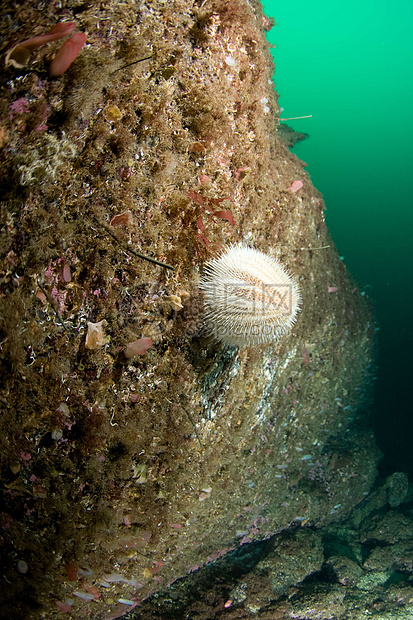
x,y
249,297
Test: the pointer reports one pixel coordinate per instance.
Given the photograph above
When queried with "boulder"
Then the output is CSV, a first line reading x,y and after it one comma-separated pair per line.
x,y
121,178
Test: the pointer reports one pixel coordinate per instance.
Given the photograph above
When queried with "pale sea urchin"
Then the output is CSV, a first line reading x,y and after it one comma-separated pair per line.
x,y
249,297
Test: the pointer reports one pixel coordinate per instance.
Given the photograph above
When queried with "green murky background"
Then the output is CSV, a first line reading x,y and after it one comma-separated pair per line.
x,y
350,65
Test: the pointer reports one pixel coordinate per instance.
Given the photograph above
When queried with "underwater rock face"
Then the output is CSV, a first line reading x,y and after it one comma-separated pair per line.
x,y
290,136
121,474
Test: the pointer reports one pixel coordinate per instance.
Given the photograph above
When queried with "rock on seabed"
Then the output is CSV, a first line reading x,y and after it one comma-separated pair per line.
x,y
150,467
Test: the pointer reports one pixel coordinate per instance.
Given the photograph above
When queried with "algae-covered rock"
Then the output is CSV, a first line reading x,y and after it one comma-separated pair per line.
x,y
291,561
398,489
122,474
290,136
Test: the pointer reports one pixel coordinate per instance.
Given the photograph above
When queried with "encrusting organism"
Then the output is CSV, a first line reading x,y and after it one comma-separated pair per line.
x,y
95,337
249,297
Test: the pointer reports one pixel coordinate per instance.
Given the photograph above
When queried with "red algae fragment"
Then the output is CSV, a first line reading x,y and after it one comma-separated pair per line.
x,y
67,53
94,591
63,607
138,347
71,571
19,55
295,186
226,215
61,30
121,219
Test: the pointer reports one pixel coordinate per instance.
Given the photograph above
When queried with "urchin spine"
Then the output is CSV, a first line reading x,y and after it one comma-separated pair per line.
x,y
249,297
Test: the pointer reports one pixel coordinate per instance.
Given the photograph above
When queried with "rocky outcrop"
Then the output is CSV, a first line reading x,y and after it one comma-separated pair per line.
x,y
290,136
122,473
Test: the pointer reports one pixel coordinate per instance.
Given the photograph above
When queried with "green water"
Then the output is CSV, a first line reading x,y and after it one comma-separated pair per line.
x,y
350,65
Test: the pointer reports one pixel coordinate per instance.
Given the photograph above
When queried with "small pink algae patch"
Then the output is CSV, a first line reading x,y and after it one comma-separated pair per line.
x,y
295,186
63,607
332,289
241,172
67,53
94,591
138,347
20,106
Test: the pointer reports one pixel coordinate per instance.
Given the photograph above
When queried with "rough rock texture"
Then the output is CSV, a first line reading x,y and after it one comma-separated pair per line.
x,y
290,136
120,475
360,568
